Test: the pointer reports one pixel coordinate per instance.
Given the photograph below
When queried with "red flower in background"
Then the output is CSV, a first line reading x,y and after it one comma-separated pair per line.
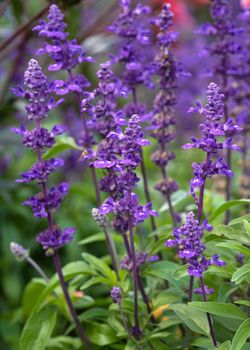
x,y
245,3
180,9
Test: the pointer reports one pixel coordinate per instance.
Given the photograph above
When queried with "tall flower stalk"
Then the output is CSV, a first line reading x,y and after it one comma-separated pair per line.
x,y
225,49
189,237
119,153
163,122
133,29
68,55
43,204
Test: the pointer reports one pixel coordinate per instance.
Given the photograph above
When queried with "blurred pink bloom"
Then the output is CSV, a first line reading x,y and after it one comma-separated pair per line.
x,y
245,3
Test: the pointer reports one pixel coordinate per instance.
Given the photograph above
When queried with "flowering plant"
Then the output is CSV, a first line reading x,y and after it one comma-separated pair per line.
x,y
128,246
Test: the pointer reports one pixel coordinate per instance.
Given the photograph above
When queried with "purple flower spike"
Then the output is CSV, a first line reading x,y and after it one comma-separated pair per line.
x,y
211,128
188,239
66,54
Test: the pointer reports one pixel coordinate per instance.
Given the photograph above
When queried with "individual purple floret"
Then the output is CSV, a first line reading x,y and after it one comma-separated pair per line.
x,y
211,128
200,291
66,53
116,295
188,239
55,238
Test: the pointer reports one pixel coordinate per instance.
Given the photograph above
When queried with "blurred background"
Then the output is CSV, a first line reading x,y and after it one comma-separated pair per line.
x,y
87,21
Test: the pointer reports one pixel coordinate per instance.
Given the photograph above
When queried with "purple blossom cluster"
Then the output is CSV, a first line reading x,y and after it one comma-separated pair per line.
x,y
119,154
101,104
225,47
66,54
40,102
212,129
167,70
188,239
132,26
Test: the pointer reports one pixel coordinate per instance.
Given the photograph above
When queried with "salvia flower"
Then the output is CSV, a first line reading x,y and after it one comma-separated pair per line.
x,y
18,250
103,114
119,153
212,128
188,239
43,204
65,53
225,46
116,295
55,238
132,26
163,122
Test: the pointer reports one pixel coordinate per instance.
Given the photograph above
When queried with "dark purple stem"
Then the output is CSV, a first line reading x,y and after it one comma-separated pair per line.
x,y
58,267
209,318
135,276
199,216
108,239
78,325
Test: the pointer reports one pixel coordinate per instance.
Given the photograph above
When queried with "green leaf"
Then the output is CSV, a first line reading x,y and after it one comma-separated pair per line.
x,y
243,302
239,220
100,266
64,342
180,272
38,329
241,274
247,227
241,335
92,281
32,291
97,313
100,334
98,237
62,144
235,246
75,268
225,206
220,309
194,319
231,233
163,269
225,346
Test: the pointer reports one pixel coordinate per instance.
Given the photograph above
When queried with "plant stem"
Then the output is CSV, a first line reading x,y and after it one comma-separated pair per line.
x,y
112,251
199,216
108,237
38,269
228,151
190,290
209,318
144,175
23,28
78,325
58,267
135,275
